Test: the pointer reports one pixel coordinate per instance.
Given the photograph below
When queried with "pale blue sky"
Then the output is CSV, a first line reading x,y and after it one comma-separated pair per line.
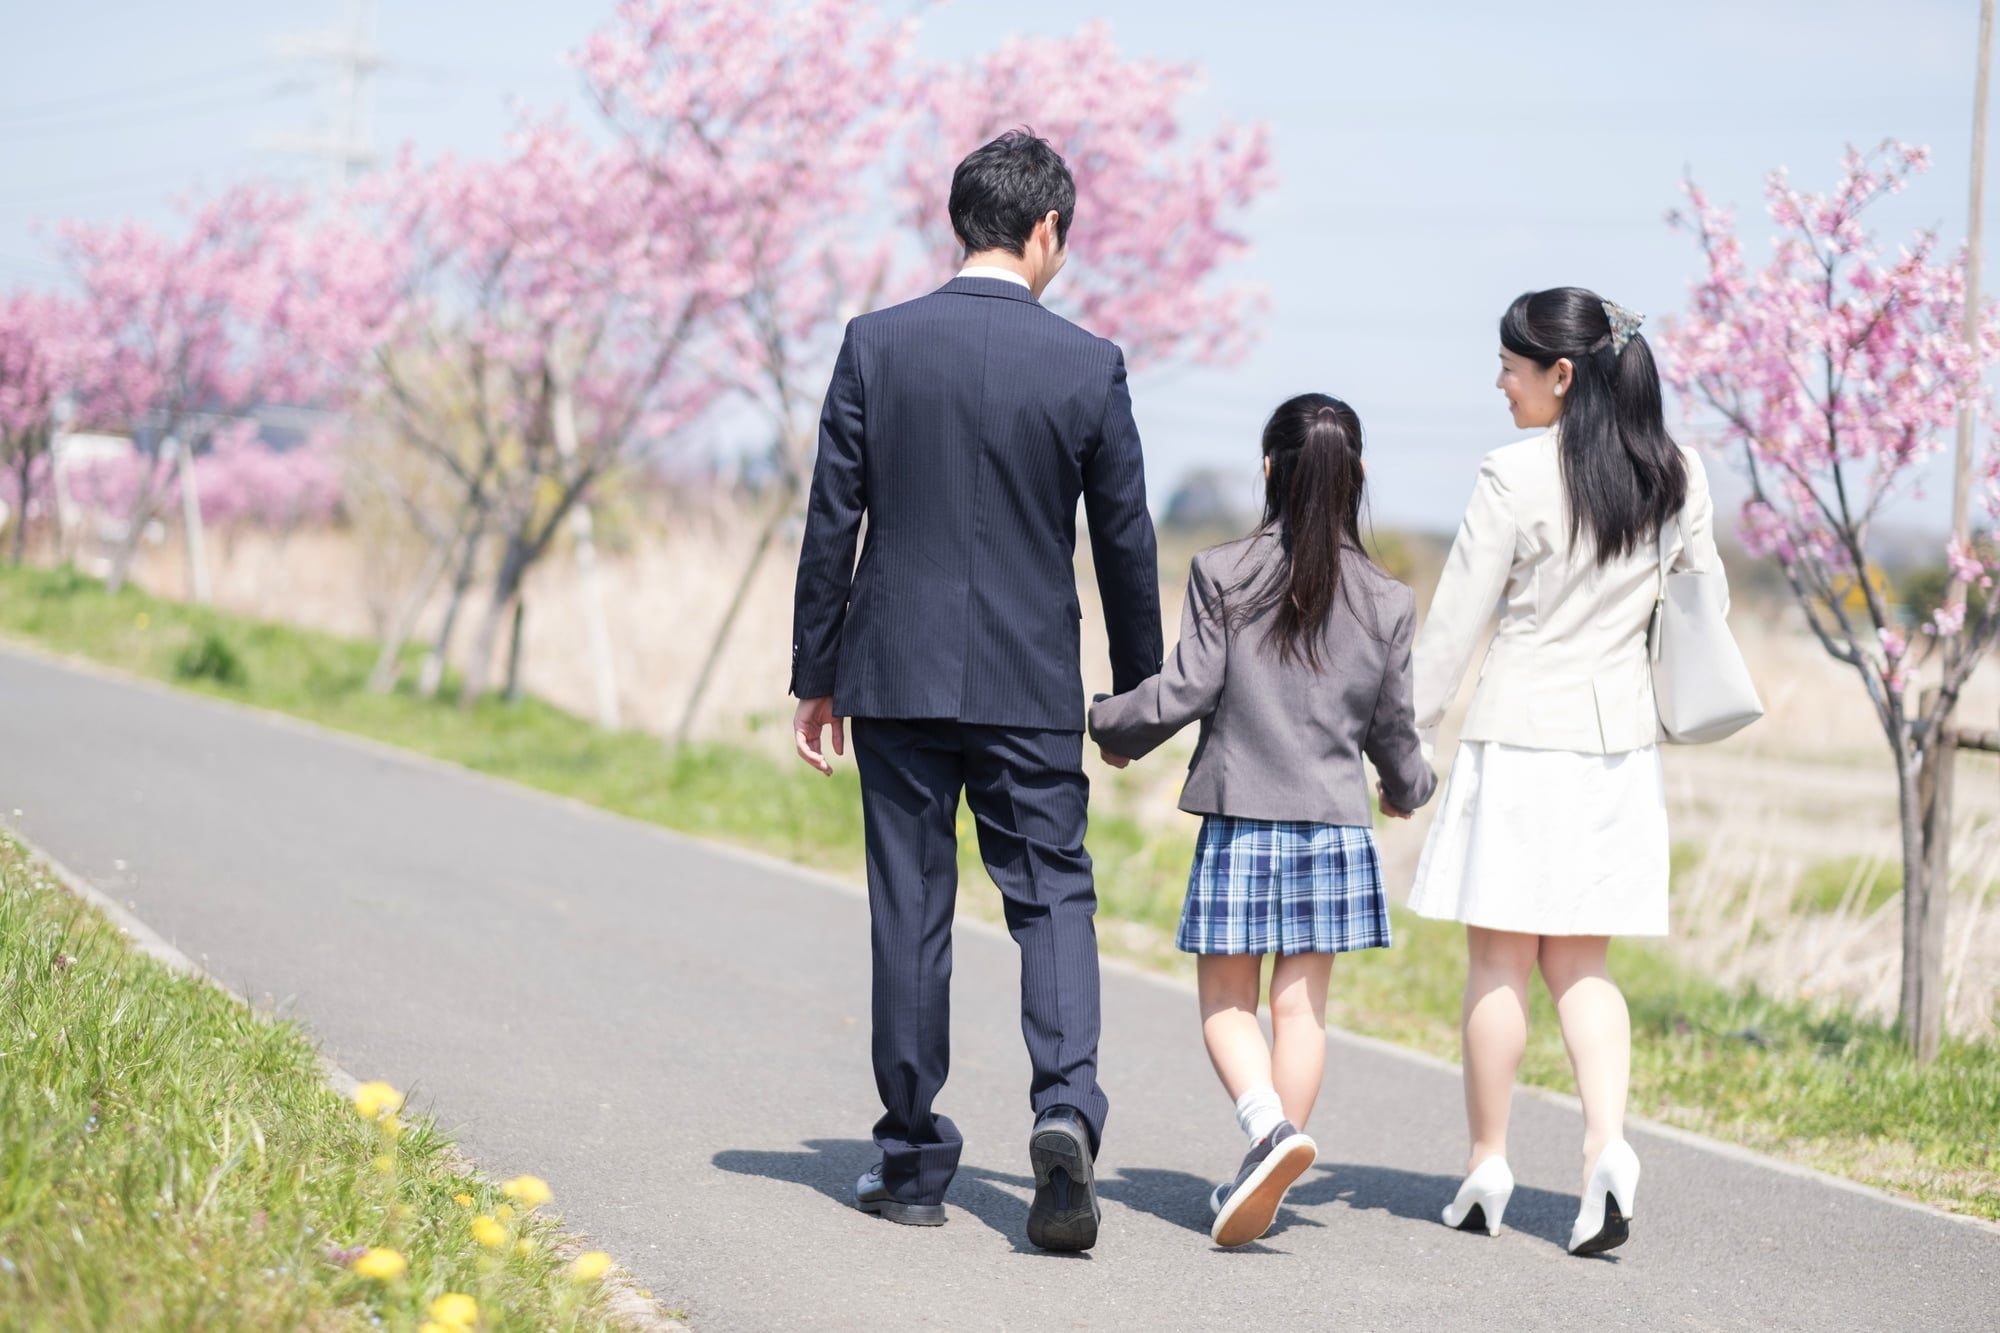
x,y
1434,159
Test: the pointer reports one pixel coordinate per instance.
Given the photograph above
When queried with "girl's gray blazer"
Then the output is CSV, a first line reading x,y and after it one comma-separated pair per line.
x,y
1280,741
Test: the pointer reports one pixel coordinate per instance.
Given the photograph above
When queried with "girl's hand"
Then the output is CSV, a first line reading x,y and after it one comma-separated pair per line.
x,y
1382,801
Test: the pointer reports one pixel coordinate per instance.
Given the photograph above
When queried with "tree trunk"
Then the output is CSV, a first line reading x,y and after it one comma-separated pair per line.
x,y
25,472
388,663
432,673
514,651
1927,895
506,588
127,550
136,520
779,513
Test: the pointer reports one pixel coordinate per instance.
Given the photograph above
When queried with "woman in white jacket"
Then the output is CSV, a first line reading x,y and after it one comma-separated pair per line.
x,y
1552,833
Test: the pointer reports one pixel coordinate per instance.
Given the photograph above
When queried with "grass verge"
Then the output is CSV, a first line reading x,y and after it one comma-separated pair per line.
x,y
168,1159
1824,1089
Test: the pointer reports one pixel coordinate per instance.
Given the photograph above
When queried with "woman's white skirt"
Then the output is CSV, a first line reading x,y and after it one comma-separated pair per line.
x,y
1549,842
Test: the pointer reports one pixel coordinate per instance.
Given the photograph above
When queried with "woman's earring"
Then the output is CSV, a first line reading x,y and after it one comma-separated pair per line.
x,y
1559,390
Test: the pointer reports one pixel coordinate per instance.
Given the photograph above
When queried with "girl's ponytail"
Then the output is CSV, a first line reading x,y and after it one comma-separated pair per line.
x,y
1313,495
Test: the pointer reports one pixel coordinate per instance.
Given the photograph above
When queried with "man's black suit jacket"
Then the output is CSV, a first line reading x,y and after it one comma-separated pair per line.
x,y
964,425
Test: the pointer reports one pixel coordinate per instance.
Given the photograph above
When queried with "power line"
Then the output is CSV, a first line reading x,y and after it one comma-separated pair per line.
x,y
130,119
350,58
66,106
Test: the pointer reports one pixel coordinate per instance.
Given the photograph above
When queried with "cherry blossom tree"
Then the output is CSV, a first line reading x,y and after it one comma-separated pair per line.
x,y
542,343
240,480
1837,370
37,332
1158,214
778,132
762,128
253,302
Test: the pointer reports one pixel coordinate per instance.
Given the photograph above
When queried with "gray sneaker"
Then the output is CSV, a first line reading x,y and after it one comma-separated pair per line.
x,y
1246,1206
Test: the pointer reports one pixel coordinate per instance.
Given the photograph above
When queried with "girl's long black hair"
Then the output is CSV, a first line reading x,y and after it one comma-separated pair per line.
x,y
1313,497
1623,476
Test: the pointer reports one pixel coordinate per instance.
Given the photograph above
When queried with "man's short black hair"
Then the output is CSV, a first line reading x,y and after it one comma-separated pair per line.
x,y
1003,189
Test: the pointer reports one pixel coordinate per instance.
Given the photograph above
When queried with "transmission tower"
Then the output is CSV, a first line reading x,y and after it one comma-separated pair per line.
x,y
347,59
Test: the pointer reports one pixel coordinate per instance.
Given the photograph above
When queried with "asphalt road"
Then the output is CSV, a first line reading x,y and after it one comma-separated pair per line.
x,y
675,1036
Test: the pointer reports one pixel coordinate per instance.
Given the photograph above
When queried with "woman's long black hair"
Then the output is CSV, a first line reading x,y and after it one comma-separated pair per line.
x,y
1623,476
1313,497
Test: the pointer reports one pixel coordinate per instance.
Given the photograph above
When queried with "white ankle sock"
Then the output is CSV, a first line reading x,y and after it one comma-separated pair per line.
x,y
1259,1111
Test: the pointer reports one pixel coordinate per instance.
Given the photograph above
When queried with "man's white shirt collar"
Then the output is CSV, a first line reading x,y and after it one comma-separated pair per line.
x,y
989,271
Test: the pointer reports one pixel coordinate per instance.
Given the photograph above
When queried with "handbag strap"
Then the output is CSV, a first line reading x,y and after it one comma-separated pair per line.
x,y
1666,551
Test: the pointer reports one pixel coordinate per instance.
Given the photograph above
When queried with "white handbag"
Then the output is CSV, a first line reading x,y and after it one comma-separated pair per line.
x,y
1700,685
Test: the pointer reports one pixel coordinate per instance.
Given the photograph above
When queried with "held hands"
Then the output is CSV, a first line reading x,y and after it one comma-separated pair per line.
x,y
1382,800
1115,760
808,722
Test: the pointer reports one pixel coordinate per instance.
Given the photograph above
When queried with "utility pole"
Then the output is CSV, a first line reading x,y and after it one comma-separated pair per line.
x,y
1975,248
1923,998
349,58
590,584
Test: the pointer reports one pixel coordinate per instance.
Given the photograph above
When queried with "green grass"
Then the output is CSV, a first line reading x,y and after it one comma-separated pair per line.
x,y
1868,882
169,1160
714,791
1829,1091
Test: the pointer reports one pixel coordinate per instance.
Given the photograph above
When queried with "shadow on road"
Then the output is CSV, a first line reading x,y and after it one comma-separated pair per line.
x,y
999,1200
1419,1196
831,1166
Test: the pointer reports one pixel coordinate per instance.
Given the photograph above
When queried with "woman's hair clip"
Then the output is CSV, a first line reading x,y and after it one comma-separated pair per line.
x,y
1624,323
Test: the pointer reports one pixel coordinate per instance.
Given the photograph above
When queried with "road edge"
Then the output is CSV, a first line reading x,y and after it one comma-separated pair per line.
x,y
633,1311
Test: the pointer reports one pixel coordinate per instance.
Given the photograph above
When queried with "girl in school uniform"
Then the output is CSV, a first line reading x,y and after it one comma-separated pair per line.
x,y
1294,657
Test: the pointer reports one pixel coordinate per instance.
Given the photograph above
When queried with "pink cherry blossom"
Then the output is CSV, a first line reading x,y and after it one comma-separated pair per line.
x,y
1837,370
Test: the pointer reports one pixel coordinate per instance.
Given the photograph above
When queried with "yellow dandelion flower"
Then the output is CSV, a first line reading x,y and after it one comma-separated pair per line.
x,y
432,1326
392,1126
505,1212
528,1191
455,1309
488,1232
385,1164
524,1248
462,1200
375,1100
589,1266
381,1264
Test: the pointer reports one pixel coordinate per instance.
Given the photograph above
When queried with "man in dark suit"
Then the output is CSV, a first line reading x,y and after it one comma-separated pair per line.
x,y
964,426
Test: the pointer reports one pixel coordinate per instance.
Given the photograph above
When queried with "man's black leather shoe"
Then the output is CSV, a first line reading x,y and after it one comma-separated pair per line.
x,y
1064,1215
872,1196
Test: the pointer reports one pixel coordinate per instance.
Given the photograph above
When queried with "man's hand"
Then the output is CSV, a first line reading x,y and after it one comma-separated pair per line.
x,y
1115,760
1382,802
811,719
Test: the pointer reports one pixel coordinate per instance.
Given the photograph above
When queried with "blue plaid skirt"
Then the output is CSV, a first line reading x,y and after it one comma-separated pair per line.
x,y
1260,886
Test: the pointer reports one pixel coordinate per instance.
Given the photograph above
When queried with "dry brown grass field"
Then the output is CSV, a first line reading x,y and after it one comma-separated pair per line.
x,y
1785,836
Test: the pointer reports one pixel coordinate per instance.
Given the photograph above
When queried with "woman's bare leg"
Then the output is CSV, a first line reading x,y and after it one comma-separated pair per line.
x,y
1494,1032
1597,1029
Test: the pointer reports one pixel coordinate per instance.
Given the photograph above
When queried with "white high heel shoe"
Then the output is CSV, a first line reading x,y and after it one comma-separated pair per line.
x,y
1603,1223
1482,1199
